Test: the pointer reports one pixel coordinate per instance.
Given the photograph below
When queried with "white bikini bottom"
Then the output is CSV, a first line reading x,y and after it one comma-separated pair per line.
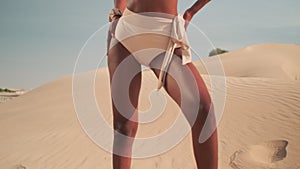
x,y
153,33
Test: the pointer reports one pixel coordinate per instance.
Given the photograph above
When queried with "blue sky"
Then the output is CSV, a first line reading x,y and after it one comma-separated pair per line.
x,y
40,40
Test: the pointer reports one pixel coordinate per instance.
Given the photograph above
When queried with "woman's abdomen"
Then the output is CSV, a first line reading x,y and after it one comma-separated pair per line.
x,y
164,6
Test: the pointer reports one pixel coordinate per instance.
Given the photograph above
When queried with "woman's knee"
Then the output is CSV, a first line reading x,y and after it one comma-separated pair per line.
x,y
127,128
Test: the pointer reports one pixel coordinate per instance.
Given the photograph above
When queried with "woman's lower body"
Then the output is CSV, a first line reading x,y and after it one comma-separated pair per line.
x,y
206,154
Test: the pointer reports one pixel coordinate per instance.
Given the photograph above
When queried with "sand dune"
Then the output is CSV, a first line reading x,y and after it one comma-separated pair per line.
x,y
260,127
280,61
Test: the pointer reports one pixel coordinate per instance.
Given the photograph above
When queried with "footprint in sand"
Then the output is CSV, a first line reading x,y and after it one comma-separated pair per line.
x,y
19,167
261,156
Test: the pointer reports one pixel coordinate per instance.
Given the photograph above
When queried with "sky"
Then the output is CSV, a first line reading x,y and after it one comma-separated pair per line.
x,y
40,40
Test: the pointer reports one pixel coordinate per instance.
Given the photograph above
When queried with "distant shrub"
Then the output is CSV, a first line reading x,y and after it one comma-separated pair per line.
x,y
6,90
217,51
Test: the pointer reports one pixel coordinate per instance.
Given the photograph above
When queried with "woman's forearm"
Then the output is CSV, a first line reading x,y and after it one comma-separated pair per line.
x,y
121,4
197,6
189,13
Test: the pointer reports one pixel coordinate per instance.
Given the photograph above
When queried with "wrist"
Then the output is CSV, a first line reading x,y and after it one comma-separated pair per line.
x,y
188,15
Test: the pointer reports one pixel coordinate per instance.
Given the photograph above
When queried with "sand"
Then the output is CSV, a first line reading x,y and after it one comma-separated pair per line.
x,y
259,129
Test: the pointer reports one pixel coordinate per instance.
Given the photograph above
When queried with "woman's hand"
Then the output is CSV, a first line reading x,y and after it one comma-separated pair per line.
x,y
189,13
187,16
114,16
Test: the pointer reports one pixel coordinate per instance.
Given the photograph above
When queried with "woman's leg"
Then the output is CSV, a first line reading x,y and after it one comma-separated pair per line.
x,y
206,154
124,112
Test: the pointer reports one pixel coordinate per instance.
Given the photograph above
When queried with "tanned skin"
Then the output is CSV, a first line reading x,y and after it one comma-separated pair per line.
x,y
206,154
